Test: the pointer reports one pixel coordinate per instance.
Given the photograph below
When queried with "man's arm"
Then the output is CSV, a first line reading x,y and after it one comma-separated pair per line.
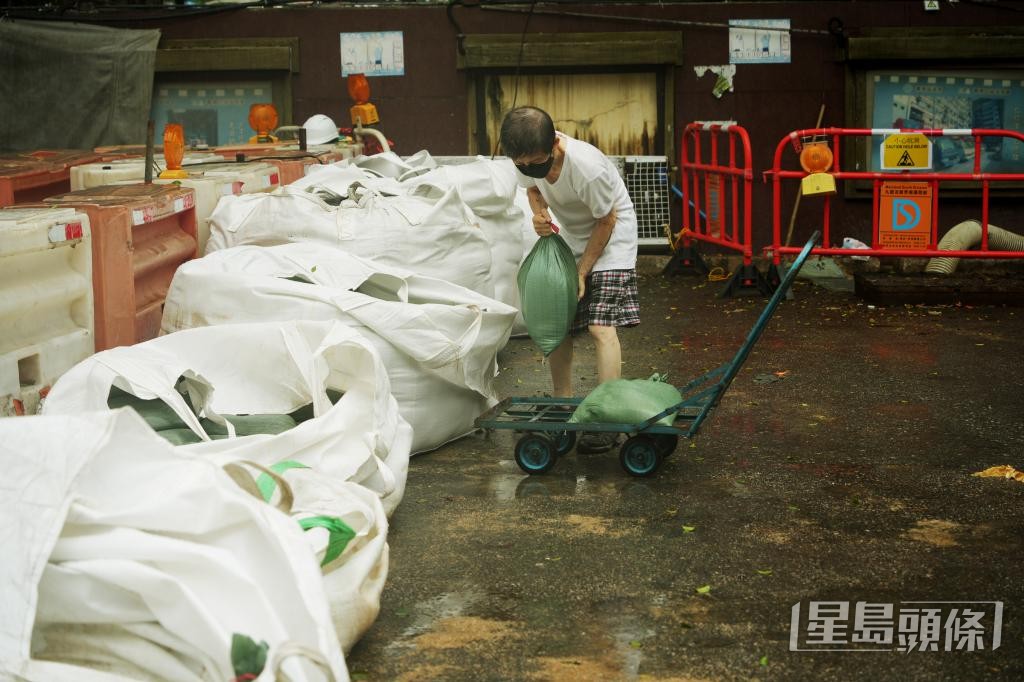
x,y
541,217
595,247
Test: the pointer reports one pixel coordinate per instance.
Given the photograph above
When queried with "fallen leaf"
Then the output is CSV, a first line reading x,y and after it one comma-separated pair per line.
x,y
704,589
763,660
636,644
689,529
764,571
1004,471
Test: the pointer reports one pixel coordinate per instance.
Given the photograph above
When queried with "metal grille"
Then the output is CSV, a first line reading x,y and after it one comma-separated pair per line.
x,y
646,179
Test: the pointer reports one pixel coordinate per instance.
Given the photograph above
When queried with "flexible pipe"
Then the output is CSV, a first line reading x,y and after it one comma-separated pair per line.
x,y
360,130
967,234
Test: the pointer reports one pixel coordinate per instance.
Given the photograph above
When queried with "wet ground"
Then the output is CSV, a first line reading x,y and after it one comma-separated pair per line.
x,y
837,468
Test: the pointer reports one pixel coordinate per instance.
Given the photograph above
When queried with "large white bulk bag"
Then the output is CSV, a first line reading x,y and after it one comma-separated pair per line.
x,y
265,368
125,554
346,527
428,230
333,180
488,188
438,341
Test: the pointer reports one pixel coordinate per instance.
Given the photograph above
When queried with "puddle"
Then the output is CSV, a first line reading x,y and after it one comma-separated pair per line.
x,y
629,637
426,614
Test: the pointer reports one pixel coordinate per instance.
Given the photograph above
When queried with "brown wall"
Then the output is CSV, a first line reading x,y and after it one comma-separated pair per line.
x,y
427,108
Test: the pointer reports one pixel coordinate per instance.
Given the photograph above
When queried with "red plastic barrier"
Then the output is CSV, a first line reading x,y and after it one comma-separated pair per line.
x,y
717,182
886,185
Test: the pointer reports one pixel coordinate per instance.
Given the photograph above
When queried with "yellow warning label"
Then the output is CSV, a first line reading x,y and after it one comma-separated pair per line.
x,y
906,151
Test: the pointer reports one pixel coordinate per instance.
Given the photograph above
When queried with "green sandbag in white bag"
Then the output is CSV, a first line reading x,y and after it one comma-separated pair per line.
x,y
628,401
548,289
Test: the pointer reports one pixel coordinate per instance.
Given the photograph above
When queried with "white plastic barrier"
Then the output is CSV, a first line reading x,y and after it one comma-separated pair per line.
x,y
259,369
429,231
46,301
89,175
438,341
126,559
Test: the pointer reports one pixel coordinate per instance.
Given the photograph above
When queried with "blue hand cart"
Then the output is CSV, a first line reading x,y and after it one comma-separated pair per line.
x,y
548,433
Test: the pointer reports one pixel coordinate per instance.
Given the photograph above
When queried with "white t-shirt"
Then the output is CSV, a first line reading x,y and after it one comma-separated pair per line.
x,y
586,190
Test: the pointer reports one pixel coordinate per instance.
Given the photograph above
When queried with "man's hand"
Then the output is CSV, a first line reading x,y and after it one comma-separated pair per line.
x,y
582,287
542,223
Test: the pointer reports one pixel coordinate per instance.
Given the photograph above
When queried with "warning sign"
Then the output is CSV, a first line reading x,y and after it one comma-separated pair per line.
x,y
905,215
906,151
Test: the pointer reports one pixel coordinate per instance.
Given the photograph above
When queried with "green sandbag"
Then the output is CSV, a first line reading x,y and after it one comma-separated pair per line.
x,y
250,424
156,412
305,412
183,436
162,419
548,288
628,401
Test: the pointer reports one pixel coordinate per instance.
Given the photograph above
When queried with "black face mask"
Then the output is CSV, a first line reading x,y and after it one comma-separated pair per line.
x,y
536,170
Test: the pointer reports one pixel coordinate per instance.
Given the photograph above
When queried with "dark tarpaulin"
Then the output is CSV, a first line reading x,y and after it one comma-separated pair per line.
x,y
74,86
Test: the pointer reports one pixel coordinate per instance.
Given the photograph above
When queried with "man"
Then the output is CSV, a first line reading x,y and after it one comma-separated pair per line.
x,y
578,182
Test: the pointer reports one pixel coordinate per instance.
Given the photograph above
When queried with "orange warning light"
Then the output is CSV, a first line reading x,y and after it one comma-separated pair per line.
x,y
816,157
174,151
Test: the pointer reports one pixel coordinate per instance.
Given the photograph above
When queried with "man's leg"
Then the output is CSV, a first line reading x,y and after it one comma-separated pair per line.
x,y
609,353
609,366
561,369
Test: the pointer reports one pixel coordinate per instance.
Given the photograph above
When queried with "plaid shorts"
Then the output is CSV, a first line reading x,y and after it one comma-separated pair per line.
x,y
611,300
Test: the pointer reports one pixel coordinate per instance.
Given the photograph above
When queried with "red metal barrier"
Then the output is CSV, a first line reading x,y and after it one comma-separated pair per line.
x,y
717,183
926,184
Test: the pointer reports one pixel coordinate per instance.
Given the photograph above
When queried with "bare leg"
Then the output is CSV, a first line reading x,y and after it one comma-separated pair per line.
x,y
609,353
561,369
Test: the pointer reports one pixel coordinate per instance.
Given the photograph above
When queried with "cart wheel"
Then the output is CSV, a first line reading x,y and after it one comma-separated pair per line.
x,y
564,442
535,454
666,443
640,456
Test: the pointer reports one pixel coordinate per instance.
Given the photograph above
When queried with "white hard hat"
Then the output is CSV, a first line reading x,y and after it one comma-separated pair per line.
x,y
320,129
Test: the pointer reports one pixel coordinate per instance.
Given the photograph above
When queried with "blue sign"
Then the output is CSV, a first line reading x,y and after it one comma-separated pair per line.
x,y
905,214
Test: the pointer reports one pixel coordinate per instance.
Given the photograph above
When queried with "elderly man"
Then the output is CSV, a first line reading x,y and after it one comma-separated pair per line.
x,y
579,183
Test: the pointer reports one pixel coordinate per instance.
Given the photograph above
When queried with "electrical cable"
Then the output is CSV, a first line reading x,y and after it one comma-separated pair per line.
x,y
519,64
718,274
648,20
